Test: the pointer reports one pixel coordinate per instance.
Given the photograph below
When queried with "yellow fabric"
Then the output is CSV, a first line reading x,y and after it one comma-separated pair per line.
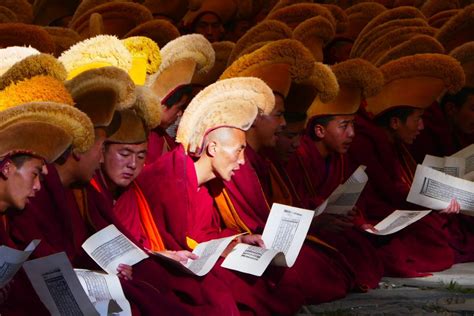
x,y
80,69
227,211
318,241
191,243
138,70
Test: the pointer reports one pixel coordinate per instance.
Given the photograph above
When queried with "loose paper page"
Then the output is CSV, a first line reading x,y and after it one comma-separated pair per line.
x,y
11,261
435,189
450,165
345,196
398,220
284,234
58,287
467,154
208,252
109,248
105,292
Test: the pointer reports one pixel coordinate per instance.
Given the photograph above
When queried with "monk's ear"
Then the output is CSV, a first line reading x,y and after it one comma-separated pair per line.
x,y
7,169
319,131
395,123
211,148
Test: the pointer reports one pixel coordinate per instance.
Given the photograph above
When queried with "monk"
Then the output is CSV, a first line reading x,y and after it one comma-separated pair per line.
x,y
384,129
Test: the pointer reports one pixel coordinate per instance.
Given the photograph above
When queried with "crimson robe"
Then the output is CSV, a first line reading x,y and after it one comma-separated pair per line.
x,y
244,205
55,216
315,178
419,248
186,214
159,143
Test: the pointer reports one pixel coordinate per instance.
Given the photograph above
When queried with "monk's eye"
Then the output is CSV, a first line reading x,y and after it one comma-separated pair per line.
x,y
141,156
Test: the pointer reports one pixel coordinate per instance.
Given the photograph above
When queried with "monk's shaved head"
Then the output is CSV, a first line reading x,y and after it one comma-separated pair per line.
x,y
224,135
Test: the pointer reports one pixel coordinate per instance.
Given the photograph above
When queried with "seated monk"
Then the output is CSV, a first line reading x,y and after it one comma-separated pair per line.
x,y
449,125
122,204
212,139
244,202
60,209
319,165
181,59
391,120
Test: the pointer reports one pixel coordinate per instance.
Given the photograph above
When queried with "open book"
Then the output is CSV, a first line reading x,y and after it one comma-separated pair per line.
x,y
434,189
11,261
345,196
468,155
460,165
65,292
396,221
284,234
109,248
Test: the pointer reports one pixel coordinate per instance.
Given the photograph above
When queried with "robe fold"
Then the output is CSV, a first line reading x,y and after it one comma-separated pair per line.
x,y
159,143
57,217
419,248
244,203
315,178
186,215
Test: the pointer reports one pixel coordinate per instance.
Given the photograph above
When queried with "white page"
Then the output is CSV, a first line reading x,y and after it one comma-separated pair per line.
x,y
434,189
398,220
109,248
249,259
467,154
11,261
453,166
208,252
103,291
58,287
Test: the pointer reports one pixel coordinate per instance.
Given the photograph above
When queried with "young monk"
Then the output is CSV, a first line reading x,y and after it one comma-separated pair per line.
x,y
319,166
245,201
212,140
392,119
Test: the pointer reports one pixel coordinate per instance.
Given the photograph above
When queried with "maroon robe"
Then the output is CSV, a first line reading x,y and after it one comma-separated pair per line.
x,y
315,178
55,217
419,248
203,295
184,211
246,198
159,143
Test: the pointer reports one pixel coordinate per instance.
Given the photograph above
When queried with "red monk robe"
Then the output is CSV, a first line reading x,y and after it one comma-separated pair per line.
x,y
243,205
185,213
438,138
55,217
421,247
315,178
132,216
22,299
159,143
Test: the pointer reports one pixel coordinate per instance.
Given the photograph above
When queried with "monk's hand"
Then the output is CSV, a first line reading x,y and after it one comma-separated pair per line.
x,y
332,223
4,291
125,271
182,256
255,240
453,207
370,227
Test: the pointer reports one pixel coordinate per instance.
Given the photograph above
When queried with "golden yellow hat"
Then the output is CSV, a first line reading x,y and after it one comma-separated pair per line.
x,y
342,21
357,79
226,103
13,54
457,30
160,31
294,14
359,16
181,59
19,34
116,18
48,12
224,9
137,121
315,33
146,57
277,63
174,10
63,38
431,7
267,30
222,52
7,15
416,81
285,3
437,20
465,55
21,8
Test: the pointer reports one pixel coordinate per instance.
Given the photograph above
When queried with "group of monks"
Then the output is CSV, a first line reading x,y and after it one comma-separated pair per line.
x,y
108,115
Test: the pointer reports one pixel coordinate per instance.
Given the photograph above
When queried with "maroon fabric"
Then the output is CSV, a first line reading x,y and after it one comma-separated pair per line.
x,y
249,190
181,210
316,179
157,140
423,246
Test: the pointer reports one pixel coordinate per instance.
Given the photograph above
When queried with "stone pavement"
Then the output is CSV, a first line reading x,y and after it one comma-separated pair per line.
x,y
450,292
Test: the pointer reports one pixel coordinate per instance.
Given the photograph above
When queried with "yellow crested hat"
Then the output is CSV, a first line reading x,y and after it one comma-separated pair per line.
x,y
146,57
222,52
440,18
19,34
63,38
22,10
359,15
173,10
294,14
465,55
431,7
458,29
224,9
315,33
160,31
50,12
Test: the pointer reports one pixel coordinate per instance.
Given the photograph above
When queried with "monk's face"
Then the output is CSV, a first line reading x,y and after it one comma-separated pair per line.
x,y
123,162
463,116
338,134
90,161
226,148
289,140
210,27
406,131
171,114
267,127
22,181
